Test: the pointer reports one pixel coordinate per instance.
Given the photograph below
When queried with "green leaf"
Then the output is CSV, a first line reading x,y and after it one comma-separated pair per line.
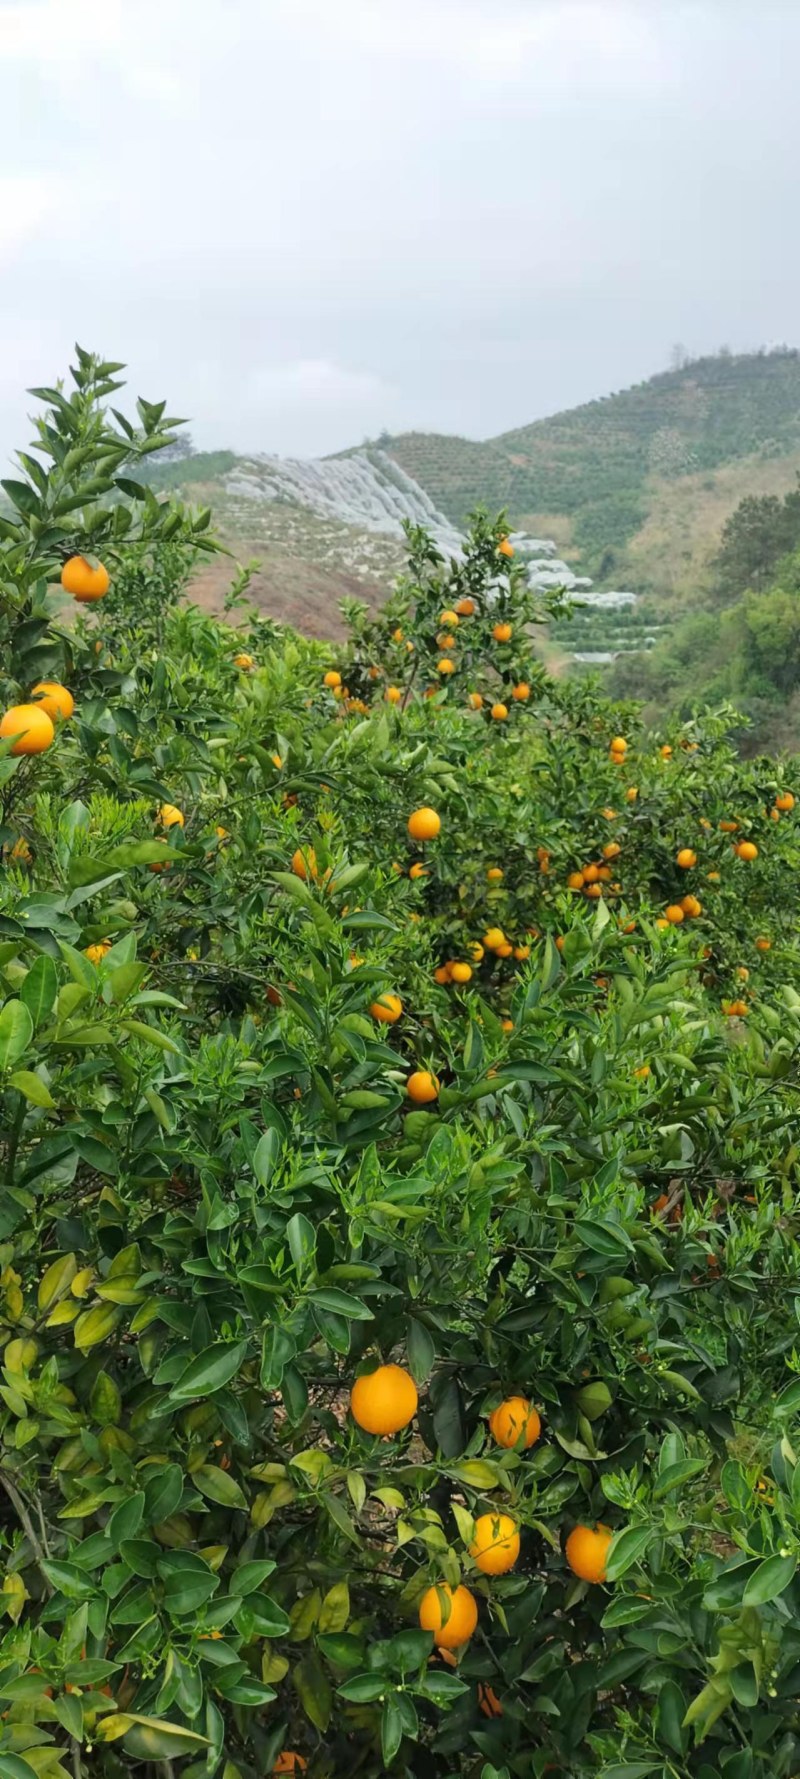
x,y
33,1088
335,1609
212,1370
218,1485
340,1303
39,989
771,1579
628,1547
421,1350
313,1690
16,1031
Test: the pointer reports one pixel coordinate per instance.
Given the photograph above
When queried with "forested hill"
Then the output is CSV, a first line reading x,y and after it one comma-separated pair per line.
x,y
603,467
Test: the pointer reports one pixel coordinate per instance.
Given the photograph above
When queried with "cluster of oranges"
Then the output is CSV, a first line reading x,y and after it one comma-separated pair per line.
x,y
383,1403
31,727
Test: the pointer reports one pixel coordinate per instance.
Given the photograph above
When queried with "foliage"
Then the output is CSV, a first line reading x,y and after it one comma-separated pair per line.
x,y
220,1207
755,537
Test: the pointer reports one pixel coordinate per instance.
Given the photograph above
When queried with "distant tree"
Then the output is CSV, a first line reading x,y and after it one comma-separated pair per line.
x,y
754,538
181,448
679,357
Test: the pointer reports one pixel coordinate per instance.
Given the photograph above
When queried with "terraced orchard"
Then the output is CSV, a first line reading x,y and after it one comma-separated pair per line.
x,y
400,1150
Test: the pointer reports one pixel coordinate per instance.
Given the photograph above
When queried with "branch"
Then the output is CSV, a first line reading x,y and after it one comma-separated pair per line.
x,y
26,1523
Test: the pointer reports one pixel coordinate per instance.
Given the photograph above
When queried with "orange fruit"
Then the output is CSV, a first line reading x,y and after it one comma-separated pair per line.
x,y
612,850
674,914
784,801
53,698
632,793
417,870
167,864
384,1401
465,607
442,974
505,949
666,751
397,635
493,938
449,617
662,924
332,678
692,907
475,701
594,890
445,665
170,816
477,952
507,1025
502,632
713,877
586,1551
746,850
304,863
685,859
521,692
422,1087
590,873
244,661
604,873
560,942
450,1613
495,1547
499,712
287,1762
32,726
743,973
494,874
728,827
461,972
763,944
619,745
521,952
393,694
445,641
515,1419
610,814
642,1073
424,824
96,953
505,547
387,1009
86,584
575,880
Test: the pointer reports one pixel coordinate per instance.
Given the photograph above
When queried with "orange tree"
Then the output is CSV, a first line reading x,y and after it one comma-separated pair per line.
x,y
397,1361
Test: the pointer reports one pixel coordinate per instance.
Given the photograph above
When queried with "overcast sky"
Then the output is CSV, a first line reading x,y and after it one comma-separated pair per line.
x,y
304,220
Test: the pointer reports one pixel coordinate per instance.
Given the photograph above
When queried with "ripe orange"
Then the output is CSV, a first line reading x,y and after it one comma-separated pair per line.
x,y
445,641
494,874
290,1763
763,944
746,850
692,907
170,816
445,666
586,1551
594,890
502,632
397,635
784,801
743,973
442,974
449,617
417,870
674,914
475,701
521,691
304,863
156,866
610,814
493,938
424,824
465,607
515,1419
590,873
86,584
450,1613
505,547
461,972
612,850
244,661
384,1401
32,726
422,1087
685,859
53,698
619,745
507,1025
393,694
632,793
575,880
521,952
96,953
735,1009
499,712
332,678
713,877
477,952
505,949
666,751
728,827
387,1009
495,1547
560,942
662,924
642,1073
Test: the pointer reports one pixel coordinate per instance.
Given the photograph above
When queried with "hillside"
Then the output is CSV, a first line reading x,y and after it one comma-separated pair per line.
x,y
596,475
